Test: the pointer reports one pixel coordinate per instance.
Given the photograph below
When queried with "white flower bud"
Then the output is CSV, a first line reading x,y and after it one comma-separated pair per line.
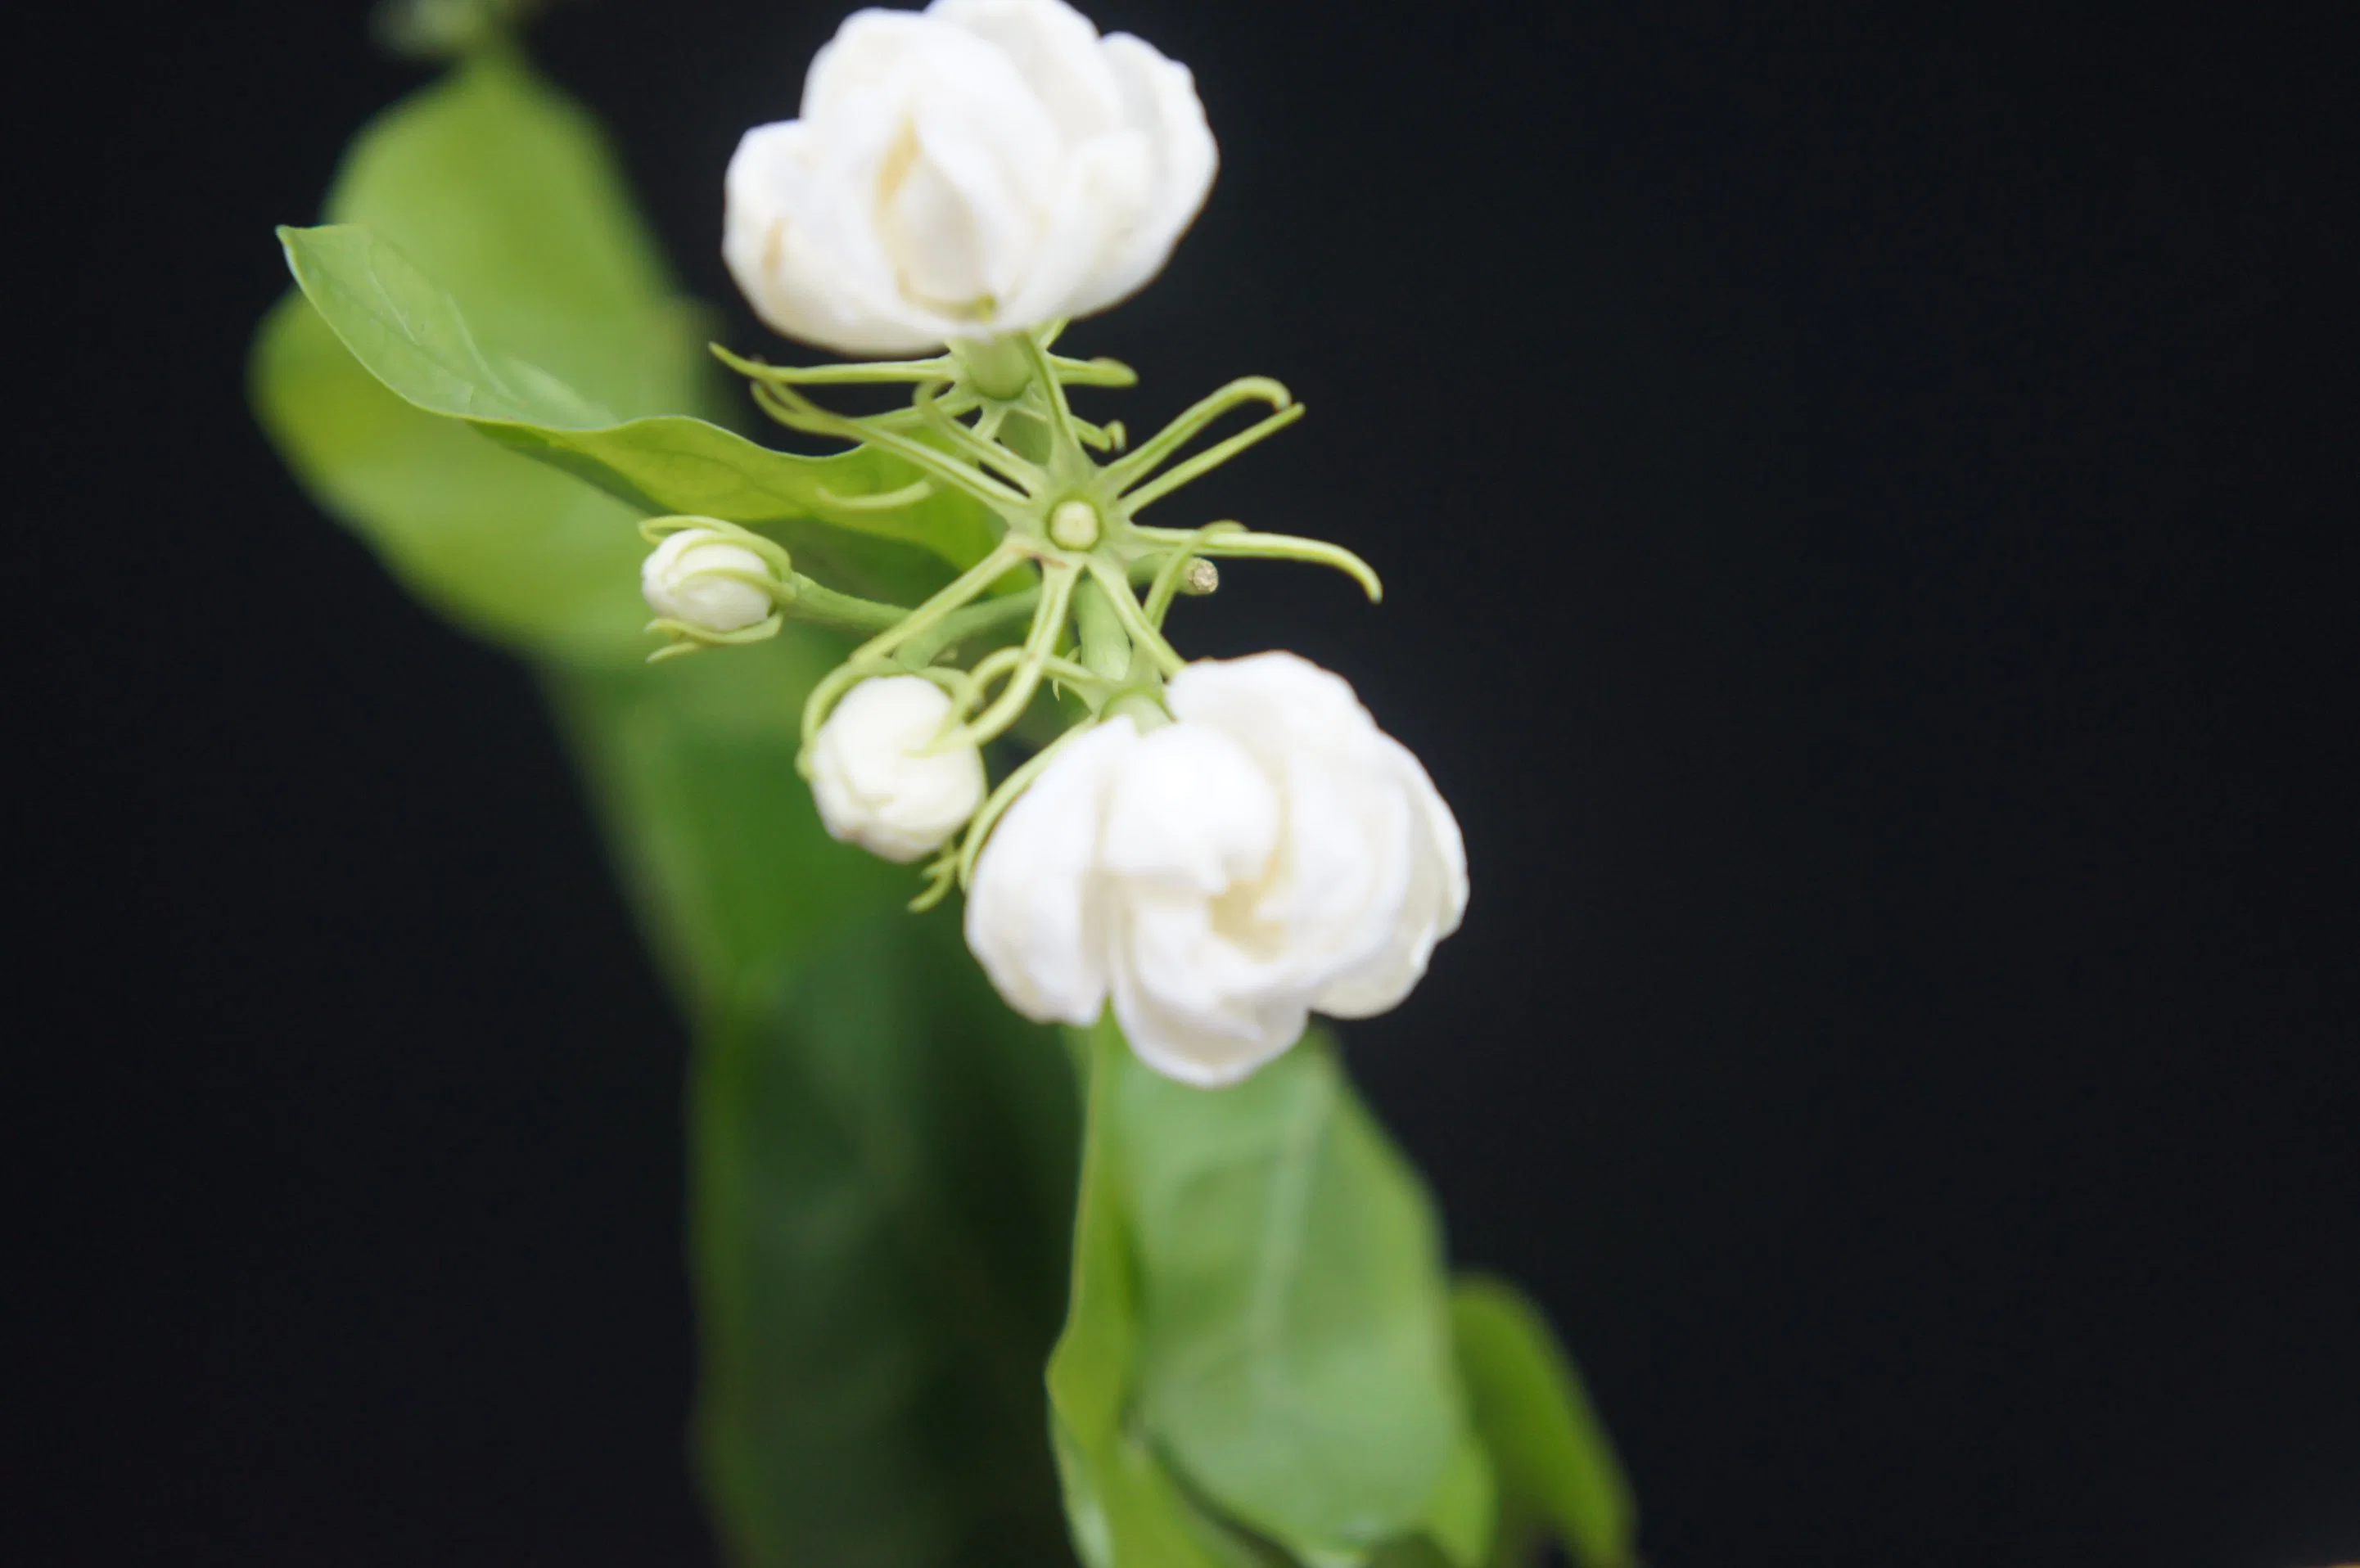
x,y
1271,853
979,168
877,783
684,579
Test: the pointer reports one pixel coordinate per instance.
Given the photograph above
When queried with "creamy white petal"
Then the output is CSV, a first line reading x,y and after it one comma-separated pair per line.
x,y
1191,811
872,49
1348,864
1274,702
1431,909
1034,912
1209,1047
967,220
1160,101
805,268
1102,186
1054,47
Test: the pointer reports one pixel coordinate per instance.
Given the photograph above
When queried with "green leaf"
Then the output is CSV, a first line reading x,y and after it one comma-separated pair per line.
x,y
500,185
883,1154
507,191
1295,1359
510,550
503,191
878,1263
416,339
1121,1504
1462,1509
1556,1469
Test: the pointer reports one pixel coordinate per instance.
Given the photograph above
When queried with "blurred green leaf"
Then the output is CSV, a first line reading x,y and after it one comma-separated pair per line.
x,y
883,1156
1462,1509
508,191
882,1151
511,551
1294,1358
503,189
1557,1474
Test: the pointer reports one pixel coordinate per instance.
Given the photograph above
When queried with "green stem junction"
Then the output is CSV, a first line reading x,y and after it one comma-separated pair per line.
x,y
992,421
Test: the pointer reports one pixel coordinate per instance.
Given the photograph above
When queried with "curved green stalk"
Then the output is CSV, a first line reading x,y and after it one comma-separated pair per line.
x,y
1209,459
1246,544
1168,440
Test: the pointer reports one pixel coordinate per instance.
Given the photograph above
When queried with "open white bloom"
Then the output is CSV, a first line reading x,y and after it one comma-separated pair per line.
x,y
1270,853
687,579
979,167
877,783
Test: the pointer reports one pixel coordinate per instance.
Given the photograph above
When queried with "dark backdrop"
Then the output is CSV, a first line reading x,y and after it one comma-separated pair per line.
x,y
1868,494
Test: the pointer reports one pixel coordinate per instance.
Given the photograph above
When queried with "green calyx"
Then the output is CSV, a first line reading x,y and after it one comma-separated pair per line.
x,y
1076,592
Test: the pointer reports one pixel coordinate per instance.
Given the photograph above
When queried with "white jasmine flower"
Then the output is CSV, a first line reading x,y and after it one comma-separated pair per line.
x,y
876,782
1270,853
979,167
689,579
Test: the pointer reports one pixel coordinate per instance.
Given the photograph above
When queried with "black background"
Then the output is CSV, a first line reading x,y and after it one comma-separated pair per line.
x,y
1868,496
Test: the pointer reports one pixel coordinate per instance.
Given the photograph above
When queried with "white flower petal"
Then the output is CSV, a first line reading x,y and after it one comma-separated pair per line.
x,y
1346,865
873,50
964,218
1191,810
1055,47
1274,702
1207,1046
1034,914
1430,909
1160,100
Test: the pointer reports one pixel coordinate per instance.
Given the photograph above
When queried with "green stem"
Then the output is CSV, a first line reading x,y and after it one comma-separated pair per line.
x,y
1248,546
1068,440
939,368
1105,651
1140,632
989,614
824,606
1014,469
865,657
999,367
1048,621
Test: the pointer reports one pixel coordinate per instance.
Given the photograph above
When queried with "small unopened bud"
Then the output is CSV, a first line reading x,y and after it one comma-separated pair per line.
x,y
1074,525
1201,578
708,581
876,777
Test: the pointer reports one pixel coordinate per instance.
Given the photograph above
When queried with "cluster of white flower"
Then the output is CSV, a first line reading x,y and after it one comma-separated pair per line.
x,y
1224,848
